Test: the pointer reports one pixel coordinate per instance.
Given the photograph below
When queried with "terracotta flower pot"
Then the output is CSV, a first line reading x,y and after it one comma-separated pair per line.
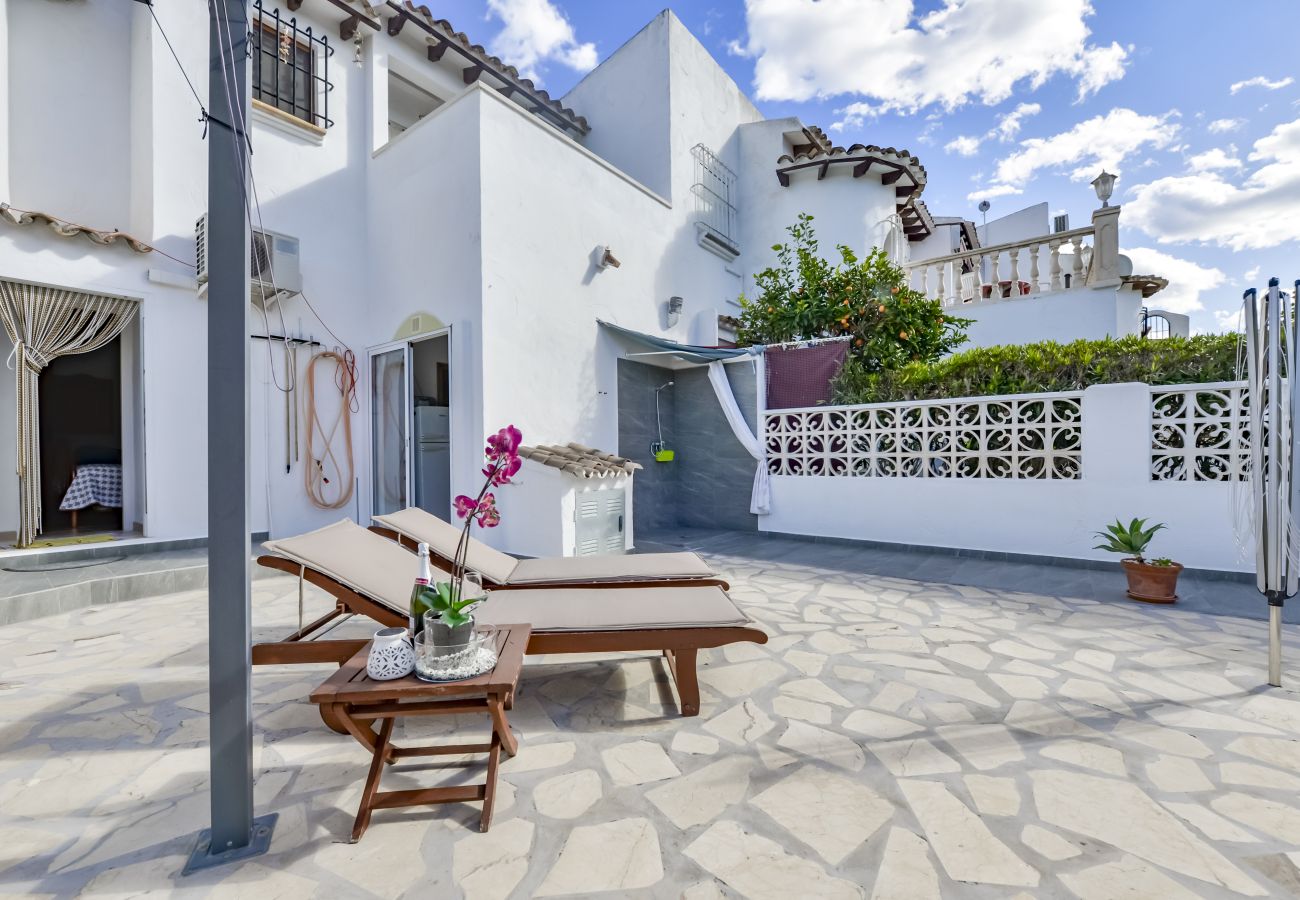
x,y
1152,584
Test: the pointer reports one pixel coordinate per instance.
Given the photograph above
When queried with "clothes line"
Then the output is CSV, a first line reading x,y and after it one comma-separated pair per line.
x,y
809,342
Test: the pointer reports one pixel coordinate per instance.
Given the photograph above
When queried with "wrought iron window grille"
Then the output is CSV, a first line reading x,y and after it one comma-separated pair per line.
x,y
715,197
290,66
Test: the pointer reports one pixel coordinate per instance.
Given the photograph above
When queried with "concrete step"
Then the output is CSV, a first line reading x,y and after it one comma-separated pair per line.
x,y
44,584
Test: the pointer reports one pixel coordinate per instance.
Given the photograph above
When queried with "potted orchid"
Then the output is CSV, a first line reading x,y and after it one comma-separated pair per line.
x,y
450,602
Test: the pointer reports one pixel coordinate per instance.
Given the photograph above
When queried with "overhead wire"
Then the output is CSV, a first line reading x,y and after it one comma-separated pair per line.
x,y
62,221
345,376
186,75
251,203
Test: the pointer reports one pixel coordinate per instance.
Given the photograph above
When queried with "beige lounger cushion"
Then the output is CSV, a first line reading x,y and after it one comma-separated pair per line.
x,y
612,609
384,571
633,567
442,538
419,525
373,566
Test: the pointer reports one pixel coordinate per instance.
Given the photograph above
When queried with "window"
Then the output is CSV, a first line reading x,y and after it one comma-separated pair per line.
x,y
715,203
289,66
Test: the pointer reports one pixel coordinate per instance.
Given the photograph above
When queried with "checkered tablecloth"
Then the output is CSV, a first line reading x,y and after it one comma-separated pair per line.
x,y
95,484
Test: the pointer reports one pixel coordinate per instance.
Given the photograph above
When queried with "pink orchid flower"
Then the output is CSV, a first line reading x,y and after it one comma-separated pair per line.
x,y
504,443
501,470
488,514
465,506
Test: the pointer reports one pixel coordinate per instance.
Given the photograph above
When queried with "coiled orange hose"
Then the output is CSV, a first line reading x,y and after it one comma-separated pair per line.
x,y
329,483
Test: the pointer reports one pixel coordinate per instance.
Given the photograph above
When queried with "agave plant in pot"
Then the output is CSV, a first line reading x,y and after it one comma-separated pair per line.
x,y
1152,581
448,605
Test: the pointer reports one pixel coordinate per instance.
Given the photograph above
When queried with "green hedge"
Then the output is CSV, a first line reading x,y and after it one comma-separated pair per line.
x,y
1046,366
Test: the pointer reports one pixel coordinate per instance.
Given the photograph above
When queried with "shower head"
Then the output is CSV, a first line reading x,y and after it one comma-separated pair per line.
x,y
666,384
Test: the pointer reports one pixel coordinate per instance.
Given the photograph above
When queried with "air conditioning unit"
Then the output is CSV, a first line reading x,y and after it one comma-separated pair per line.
x,y
274,269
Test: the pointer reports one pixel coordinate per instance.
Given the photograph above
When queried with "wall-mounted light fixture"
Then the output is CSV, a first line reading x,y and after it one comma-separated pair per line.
x,y
605,259
1104,185
674,311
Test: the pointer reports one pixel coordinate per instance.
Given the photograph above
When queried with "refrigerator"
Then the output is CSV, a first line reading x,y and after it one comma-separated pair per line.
x,y
433,460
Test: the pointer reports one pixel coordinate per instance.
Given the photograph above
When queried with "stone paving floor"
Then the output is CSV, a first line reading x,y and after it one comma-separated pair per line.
x,y
894,739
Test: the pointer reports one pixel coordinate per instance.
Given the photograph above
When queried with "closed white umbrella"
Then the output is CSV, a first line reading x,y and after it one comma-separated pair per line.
x,y
1274,399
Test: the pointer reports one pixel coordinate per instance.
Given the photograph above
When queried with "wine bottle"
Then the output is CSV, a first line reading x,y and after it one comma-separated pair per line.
x,y
422,581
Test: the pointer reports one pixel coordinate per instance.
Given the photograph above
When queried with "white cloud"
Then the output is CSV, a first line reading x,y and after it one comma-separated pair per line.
x,y
1261,82
1251,274
999,190
1220,126
535,33
1261,210
1102,142
900,60
1187,280
1009,125
1228,319
963,145
1213,160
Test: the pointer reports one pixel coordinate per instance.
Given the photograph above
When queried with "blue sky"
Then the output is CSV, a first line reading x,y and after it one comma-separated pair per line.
x,y
1022,101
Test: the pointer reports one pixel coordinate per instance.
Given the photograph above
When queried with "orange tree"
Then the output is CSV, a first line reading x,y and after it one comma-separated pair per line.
x,y
805,296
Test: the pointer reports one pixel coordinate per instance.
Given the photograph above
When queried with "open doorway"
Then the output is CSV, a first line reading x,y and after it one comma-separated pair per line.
x,y
81,442
431,395
410,440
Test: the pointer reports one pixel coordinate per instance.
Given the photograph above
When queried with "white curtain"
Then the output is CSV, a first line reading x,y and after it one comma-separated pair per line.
x,y
45,323
760,499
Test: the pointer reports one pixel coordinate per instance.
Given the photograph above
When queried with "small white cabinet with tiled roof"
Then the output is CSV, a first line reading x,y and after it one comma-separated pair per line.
x,y
569,500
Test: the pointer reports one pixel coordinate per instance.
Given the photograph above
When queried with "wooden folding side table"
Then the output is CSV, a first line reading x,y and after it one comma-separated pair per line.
x,y
352,701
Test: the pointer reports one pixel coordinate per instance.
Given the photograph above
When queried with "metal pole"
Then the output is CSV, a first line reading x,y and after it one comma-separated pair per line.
x,y
1275,641
234,834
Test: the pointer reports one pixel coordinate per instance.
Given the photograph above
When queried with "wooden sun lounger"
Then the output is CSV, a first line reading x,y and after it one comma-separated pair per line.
x,y
679,644
499,571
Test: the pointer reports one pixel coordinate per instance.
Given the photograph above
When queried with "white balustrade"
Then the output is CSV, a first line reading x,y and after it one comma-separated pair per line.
x,y
1007,271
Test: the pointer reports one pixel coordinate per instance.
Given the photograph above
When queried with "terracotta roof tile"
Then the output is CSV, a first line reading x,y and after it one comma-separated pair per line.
x,y
498,66
855,151
64,228
1149,285
583,462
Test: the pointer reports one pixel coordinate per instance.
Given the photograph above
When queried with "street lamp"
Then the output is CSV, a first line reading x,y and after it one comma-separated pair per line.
x,y
1104,185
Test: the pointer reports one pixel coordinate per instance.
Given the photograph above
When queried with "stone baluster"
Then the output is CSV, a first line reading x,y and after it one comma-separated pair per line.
x,y
963,267
1014,253
941,293
980,264
923,287
1076,264
995,274
1033,268
1055,269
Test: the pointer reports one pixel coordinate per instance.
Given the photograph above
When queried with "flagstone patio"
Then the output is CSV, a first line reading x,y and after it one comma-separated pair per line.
x,y
894,739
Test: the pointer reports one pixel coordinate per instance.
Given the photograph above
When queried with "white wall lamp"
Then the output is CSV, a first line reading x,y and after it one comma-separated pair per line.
x,y
1104,185
674,311
605,259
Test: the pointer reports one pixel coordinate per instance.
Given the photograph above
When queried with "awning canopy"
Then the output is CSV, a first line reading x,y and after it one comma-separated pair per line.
x,y
663,351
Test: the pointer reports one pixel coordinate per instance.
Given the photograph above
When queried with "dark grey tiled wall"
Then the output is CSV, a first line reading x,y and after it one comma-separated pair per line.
x,y
709,483
717,473
654,500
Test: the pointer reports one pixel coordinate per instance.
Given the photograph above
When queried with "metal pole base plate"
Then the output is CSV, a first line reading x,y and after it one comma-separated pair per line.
x,y
202,857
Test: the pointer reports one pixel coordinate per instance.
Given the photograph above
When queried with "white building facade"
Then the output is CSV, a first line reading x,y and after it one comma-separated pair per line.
x,y
434,195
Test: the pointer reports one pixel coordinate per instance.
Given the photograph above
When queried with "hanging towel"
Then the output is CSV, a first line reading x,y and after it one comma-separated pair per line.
x,y
760,500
